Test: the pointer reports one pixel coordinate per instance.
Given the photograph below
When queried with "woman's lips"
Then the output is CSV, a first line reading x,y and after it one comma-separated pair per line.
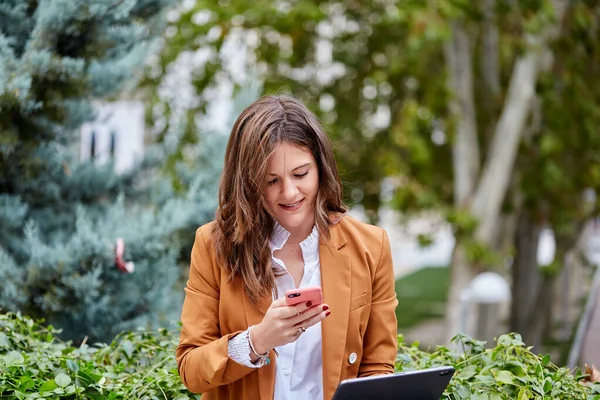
x,y
293,207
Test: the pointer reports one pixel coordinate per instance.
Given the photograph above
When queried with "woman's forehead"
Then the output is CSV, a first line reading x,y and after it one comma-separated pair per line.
x,y
288,156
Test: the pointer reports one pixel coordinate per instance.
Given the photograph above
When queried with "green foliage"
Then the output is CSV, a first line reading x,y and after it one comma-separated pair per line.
x,y
508,371
379,59
480,255
385,57
390,57
562,161
136,365
141,365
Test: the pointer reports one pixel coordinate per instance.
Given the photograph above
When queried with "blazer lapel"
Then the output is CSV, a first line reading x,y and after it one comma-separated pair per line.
x,y
336,278
266,374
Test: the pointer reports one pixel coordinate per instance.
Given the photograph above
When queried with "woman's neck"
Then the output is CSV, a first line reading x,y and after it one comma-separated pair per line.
x,y
299,233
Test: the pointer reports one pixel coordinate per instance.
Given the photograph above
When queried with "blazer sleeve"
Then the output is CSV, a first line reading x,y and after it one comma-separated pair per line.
x,y
202,355
380,343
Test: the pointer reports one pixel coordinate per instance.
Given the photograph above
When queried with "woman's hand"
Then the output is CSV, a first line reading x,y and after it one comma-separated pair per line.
x,y
284,324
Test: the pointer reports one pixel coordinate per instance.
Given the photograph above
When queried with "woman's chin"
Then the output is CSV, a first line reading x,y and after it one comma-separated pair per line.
x,y
294,221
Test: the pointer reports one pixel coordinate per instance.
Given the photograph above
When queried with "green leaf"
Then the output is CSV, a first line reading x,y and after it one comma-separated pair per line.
x,y
546,359
72,365
405,358
523,394
20,395
463,391
547,385
62,380
13,358
505,377
4,343
127,347
26,383
487,379
88,378
48,386
515,367
467,373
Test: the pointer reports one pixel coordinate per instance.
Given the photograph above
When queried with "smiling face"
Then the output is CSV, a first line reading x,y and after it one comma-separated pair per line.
x,y
292,186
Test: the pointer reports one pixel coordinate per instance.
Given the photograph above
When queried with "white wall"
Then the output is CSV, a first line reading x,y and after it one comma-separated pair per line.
x,y
126,120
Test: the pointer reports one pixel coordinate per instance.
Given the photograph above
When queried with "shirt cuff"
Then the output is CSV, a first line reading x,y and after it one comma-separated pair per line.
x,y
238,349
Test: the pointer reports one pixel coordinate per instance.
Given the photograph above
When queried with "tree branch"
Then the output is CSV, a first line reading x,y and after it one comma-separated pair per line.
x,y
466,148
490,63
496,173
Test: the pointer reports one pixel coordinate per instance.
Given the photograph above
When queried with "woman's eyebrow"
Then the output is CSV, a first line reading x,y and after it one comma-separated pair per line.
x,y
298,167
301,166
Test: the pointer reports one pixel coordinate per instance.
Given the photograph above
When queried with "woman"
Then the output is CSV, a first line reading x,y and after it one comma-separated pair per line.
x,y
281,225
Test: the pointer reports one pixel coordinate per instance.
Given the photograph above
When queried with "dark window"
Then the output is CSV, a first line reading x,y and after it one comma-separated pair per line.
x,y
93,145
113,143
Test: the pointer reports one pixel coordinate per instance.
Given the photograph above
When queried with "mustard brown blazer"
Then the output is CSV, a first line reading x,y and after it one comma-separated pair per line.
x,y
357,279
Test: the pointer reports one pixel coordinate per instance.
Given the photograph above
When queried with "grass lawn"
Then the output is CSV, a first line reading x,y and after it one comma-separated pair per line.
x,y
422,295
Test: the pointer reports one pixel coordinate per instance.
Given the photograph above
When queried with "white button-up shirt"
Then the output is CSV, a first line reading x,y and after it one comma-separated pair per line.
x,y
299,367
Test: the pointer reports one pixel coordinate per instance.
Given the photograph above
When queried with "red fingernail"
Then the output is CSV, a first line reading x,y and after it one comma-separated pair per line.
x,y
327,313
325,308
308,303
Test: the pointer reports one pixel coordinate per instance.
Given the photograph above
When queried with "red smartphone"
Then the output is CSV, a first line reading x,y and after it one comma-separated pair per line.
x,y
302,295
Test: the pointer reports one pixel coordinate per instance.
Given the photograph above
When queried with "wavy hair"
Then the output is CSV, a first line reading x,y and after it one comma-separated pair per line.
x,y
243,225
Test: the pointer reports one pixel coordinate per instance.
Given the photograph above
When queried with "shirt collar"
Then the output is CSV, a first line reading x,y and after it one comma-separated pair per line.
x,y
309,246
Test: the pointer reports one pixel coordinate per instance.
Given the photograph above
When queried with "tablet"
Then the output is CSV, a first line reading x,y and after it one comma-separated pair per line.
x,y
425,384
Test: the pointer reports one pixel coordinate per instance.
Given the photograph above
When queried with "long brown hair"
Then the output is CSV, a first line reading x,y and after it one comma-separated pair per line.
x,y
243,225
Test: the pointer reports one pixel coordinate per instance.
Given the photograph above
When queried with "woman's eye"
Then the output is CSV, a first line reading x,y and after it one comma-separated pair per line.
x,y
272,182
301,175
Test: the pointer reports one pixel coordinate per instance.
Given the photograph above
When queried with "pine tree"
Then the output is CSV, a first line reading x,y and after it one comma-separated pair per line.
x,y
60,219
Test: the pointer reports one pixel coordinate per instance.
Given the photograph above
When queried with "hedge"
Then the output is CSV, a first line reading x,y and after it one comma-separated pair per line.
x,y
510,370
35,364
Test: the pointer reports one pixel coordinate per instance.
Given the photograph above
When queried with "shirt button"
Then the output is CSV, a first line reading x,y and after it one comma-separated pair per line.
x,y
352,358
286,371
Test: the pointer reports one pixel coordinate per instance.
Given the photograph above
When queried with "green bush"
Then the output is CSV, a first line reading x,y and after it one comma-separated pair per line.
x,y
508,371
34,364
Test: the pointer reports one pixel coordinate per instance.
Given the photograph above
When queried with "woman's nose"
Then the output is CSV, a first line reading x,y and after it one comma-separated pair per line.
x,y
289,189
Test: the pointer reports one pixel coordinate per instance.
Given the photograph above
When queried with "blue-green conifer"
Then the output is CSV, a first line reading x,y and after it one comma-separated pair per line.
x,y
59,219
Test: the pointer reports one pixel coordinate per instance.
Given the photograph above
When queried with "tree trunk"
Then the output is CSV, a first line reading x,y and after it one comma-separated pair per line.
x,y
534,291
497,171
460,276
490,49
541,313
493,183
572,285
496,175
526,279
465,151
465,158
508,223
540,319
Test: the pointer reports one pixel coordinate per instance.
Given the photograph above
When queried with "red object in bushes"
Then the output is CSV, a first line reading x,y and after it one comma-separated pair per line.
x,y
127,267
